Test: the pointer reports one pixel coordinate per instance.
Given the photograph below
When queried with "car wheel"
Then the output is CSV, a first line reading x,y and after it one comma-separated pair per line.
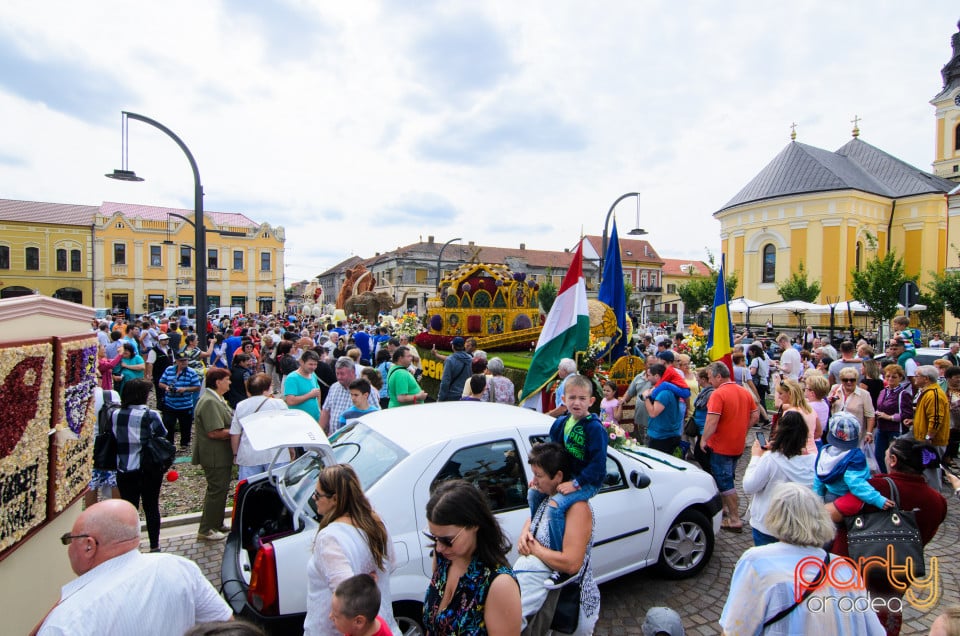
x,y
687,545
408,615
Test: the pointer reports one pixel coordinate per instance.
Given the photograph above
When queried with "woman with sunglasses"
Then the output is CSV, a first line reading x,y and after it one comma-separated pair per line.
x,y
473,589
790,397
848,396
351,539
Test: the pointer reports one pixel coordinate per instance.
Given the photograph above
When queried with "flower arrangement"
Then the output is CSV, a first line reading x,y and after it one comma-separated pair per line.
x,y
695,346
618,437
408,325
26,383
77,379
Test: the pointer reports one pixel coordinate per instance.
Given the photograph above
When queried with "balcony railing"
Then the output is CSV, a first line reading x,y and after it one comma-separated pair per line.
x,y
118,271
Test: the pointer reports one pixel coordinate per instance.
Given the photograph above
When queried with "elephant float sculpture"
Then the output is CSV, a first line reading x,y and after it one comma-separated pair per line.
x,y
369,304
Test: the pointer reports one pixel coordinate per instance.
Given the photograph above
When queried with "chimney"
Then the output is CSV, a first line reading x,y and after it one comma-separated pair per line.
x,y
430,240
523,246
470,244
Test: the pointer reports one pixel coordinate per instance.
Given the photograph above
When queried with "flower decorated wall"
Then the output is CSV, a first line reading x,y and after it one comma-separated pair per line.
x,y
46,430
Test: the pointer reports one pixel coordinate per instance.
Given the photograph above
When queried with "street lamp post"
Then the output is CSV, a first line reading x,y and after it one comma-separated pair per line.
x,y
634,232
200,238
440,255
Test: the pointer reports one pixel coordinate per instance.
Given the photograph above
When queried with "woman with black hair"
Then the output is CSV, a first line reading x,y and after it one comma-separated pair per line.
x,y
906,459
473,590
133,425
782,460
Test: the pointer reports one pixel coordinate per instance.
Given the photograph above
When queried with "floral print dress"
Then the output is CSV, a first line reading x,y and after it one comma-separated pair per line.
x,y
464,615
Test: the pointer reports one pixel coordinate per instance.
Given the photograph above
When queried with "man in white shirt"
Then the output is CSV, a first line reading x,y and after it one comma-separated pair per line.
x,y
172,595
790,364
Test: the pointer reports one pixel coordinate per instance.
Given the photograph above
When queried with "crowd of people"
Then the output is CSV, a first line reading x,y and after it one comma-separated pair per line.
x,y
840,423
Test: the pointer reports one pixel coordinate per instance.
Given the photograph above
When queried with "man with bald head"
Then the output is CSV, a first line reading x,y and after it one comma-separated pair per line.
x,y
119,590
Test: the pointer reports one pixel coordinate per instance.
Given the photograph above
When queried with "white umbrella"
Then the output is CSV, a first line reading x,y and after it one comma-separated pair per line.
x,y
797,307
854,306
742,305
917,307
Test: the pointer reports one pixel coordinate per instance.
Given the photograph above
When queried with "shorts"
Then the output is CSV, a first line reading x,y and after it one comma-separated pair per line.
x,y
723,468
103,478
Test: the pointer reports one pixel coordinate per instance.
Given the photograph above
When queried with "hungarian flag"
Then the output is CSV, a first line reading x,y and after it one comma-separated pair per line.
x,y
567,329
720,343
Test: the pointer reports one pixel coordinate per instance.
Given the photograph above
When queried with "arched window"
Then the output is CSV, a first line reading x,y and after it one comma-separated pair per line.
x,y
769,263
859,256
956,138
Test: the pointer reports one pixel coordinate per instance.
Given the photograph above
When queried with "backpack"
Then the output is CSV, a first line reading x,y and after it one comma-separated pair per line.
x,y
105,442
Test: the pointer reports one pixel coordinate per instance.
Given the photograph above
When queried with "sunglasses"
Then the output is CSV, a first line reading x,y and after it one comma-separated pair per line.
x,y
845,380
66,538
445,541
321,495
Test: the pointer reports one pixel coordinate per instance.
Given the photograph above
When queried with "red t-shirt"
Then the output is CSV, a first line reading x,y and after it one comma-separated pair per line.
x,y
383,631
733,404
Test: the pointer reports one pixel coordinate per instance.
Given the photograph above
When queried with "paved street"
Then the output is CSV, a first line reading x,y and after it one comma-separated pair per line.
x,y
626,600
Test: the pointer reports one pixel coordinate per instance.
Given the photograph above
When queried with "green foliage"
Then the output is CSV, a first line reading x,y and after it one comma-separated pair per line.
x,y
548,292
699,292
628,294
931,318
946,287
877,285
797,287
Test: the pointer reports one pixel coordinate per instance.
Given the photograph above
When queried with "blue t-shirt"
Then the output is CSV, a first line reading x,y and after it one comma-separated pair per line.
x,y
295,384
668,423
353,413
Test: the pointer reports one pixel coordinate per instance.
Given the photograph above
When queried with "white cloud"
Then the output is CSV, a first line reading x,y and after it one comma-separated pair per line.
x,y
362,126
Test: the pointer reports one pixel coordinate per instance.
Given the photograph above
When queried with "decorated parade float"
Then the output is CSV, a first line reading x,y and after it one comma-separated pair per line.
x,y
498,307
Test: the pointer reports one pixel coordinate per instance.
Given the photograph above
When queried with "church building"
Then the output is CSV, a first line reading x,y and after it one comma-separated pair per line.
x,y
835,210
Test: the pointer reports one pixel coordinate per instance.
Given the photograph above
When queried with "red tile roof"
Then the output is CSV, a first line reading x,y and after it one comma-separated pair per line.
x,y
631,250
684,267
154,213
487,254
54,213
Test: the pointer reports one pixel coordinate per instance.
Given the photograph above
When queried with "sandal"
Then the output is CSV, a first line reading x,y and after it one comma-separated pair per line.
x,y
726,525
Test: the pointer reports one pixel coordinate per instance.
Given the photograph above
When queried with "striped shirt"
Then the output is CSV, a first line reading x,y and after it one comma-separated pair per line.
x,y
133,426
189,378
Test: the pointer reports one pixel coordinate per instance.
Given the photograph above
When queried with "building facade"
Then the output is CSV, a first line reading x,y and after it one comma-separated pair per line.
x,y
677,272
946,161
46,248
642,268
144,259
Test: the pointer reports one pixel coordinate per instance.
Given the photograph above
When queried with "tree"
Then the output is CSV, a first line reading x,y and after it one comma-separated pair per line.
x,y
798,288
548,291
877,285
946,286
699,292
931,318
628,294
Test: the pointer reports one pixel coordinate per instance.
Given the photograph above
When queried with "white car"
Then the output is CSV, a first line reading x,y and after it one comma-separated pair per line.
x,y
652,509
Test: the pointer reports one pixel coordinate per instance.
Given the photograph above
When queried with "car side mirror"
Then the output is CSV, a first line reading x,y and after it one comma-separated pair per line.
x,y
639,480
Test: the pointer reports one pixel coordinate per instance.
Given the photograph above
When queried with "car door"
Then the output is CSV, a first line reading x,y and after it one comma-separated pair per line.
x,y
624,529
496,466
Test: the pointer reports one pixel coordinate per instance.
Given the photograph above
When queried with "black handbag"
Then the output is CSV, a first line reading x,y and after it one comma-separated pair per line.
x,y
105,451
566,616
157,454
871,534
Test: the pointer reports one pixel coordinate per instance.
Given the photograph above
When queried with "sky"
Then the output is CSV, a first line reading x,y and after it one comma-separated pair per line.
x,y
363,126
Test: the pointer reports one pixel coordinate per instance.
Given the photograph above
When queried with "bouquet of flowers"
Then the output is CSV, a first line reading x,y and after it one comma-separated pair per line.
x,y
695,346
618,436
408,325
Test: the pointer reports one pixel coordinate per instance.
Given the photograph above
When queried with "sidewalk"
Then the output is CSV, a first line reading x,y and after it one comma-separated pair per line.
x,y
178,535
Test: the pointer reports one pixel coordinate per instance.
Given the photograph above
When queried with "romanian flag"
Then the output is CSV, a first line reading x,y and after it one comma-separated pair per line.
x,y
566,331
613,294
720,343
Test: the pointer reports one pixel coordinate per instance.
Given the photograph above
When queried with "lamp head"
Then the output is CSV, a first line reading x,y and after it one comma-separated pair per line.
x,y
637,232
124,175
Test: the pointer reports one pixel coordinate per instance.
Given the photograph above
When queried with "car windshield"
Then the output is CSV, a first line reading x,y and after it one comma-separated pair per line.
x,y
369,453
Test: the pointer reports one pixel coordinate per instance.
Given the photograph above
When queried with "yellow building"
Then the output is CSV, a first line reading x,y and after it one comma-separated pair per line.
x,y
946,163
832,211
45,248
144,259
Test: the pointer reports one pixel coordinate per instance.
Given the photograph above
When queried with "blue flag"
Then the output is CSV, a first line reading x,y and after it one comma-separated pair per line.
x,y
613,295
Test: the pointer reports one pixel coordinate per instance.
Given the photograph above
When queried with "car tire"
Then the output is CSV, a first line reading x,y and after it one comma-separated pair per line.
x,y
687,545
409,615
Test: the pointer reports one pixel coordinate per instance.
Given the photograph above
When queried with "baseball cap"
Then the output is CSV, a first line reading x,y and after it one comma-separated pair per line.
x,y
457,343
666,356
182,356
662,620
163,336
843,432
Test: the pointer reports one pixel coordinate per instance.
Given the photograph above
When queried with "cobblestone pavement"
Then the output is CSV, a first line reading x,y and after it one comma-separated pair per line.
x,y
625,601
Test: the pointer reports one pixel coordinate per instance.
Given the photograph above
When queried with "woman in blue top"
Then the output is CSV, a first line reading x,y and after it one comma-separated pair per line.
x,y
131,365
473,590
